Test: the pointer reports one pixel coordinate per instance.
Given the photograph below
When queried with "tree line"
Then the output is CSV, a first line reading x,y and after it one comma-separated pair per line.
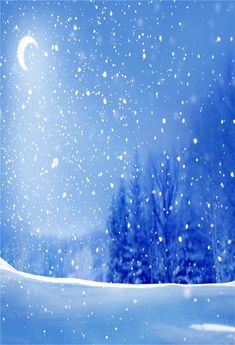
x,y
174,220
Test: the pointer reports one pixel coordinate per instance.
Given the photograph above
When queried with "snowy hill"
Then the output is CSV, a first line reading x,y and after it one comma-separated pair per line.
x,y
40,310
5,266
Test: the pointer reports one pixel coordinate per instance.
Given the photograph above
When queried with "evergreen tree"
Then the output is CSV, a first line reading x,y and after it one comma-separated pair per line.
x,y
141,266
156,248
114,251
120,251
194,248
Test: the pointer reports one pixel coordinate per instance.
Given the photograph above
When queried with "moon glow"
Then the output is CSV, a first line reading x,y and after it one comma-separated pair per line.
x,y
24,42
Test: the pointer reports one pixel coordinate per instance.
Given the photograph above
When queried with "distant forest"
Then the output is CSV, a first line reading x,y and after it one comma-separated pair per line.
x,y
173,220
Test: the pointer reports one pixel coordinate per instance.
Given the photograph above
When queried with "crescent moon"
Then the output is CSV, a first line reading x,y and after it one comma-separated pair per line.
x,y
24,42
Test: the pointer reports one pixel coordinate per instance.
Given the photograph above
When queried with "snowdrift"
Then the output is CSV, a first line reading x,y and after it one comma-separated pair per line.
x,y
40,310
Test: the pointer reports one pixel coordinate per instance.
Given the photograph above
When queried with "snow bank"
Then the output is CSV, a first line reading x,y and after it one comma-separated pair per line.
x,y
5,266
40,310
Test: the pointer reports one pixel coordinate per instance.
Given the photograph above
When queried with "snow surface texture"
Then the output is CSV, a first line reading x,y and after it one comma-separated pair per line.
x,y
40,310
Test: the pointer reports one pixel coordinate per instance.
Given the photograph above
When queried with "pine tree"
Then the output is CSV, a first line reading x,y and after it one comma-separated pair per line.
x,y
113,229
120,251
195,257
156,248
140,270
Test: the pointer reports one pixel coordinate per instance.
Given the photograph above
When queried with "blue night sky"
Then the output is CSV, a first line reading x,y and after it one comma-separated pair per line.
x,y
106,78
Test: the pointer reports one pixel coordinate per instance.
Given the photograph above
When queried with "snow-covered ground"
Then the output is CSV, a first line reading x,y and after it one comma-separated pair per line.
x,y
40,310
